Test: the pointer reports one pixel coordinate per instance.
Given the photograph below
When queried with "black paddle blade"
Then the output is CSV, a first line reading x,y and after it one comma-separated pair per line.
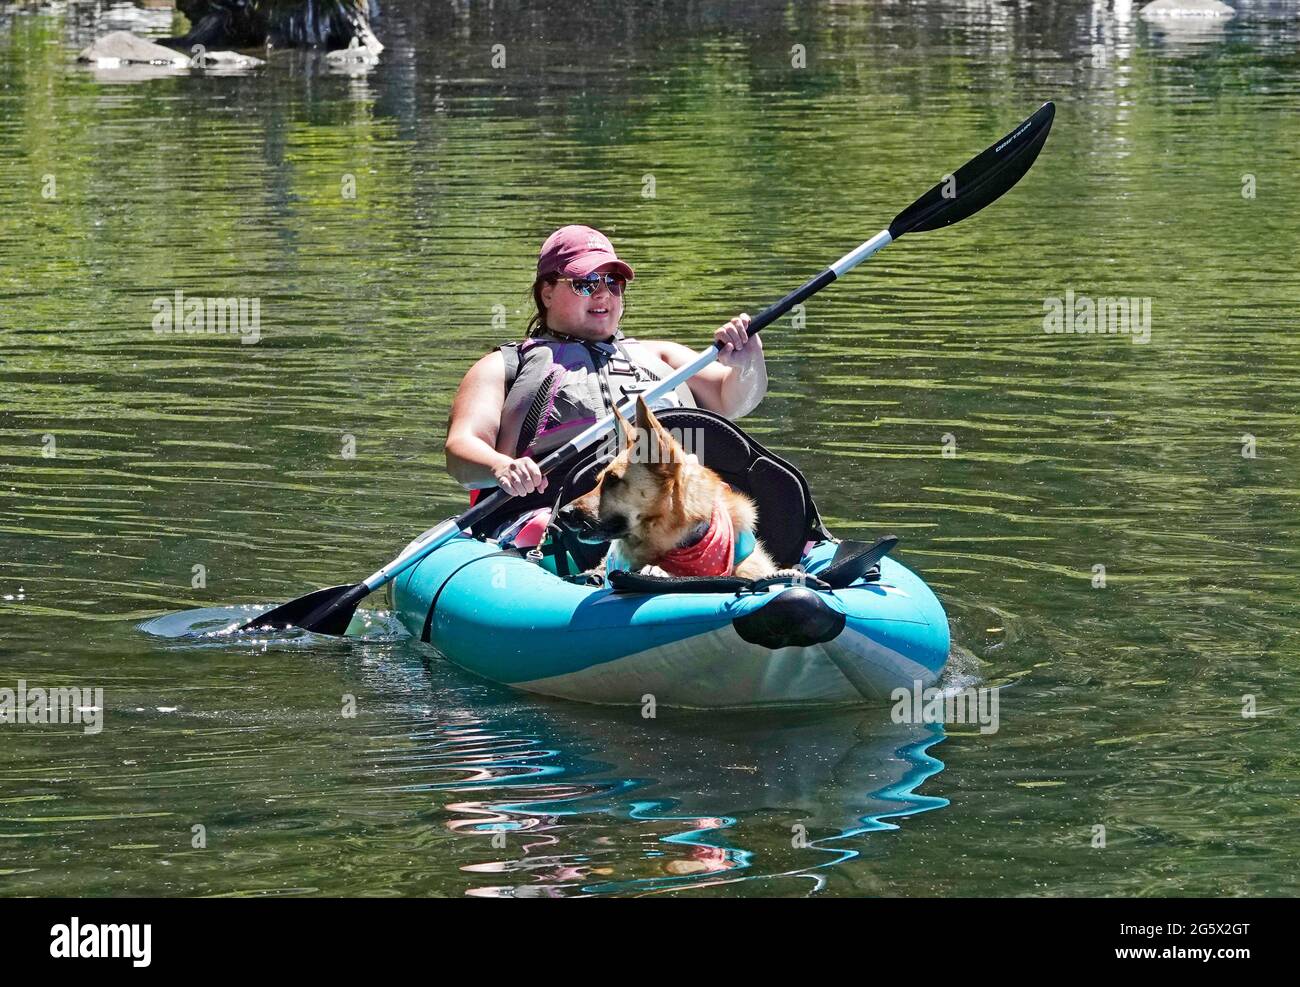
x,y
981,180
327,611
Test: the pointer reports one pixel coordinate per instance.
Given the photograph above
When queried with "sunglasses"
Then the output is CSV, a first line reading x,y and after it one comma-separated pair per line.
x,y
586,287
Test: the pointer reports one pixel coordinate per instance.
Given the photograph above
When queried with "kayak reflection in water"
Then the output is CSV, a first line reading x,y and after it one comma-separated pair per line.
x,y
524,399
788,800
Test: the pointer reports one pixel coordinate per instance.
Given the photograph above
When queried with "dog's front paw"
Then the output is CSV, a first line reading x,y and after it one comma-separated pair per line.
x,y
652,570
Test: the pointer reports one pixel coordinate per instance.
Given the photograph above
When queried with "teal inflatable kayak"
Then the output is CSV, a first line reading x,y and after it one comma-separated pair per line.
x,y
858,626
510,620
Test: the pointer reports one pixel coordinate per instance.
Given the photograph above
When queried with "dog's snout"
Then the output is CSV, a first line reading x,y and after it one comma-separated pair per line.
x,y
593,530
606,529
569,518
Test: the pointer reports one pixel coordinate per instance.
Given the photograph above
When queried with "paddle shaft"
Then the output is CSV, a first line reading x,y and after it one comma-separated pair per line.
x,y
980,181
439,535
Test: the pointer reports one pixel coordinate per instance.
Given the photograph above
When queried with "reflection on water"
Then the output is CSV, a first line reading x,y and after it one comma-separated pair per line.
x,y
776,797
712,800
1114,540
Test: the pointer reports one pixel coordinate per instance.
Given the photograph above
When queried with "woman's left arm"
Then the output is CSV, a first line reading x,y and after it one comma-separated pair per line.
x,y
732,385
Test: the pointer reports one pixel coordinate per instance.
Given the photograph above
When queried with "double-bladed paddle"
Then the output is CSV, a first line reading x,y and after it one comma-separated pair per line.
x,y
974,185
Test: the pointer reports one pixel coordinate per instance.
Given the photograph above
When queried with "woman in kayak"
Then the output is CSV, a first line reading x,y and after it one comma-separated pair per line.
x,y
522,400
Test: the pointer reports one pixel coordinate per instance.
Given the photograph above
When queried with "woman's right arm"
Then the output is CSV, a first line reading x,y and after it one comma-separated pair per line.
x,y
471,452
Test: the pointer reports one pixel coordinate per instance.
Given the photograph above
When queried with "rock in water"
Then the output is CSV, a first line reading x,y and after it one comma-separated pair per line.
x,y
355,54
225,60
124,48
1162,9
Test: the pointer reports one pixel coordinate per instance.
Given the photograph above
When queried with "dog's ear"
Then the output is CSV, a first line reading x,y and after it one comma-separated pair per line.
x,y
626,435
660,449
645,418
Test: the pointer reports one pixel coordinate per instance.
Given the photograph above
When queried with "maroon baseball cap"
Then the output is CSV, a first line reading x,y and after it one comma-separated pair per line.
x,y
576,251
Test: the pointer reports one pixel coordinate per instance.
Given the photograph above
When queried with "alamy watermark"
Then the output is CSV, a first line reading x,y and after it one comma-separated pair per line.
x,y
686,445
240,317
101,940
969,705
59,705
1103,316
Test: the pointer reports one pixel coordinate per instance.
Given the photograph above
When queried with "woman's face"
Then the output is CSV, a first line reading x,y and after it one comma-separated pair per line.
x,y
588,318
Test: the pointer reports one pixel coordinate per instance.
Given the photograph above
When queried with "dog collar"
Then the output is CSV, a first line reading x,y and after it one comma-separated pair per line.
x,y
712,555
745,545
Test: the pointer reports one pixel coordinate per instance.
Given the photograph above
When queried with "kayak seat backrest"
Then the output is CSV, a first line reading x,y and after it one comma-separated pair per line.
x,y
787,516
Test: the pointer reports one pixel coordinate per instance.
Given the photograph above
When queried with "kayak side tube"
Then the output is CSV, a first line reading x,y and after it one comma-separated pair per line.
x,y
510,621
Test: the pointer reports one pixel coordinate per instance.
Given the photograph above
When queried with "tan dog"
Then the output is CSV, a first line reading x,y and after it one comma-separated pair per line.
x,y
664,512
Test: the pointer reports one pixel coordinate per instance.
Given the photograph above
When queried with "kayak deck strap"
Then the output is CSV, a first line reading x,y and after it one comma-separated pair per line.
x,y
623,581
636,582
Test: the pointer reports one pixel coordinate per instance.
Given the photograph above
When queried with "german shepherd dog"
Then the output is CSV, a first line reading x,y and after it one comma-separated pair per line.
x,y
663,510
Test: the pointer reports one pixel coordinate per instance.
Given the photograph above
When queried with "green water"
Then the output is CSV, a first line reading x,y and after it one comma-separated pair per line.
x,y
1123,703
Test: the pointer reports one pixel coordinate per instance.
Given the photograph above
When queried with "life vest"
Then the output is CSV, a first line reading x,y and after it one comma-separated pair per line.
x,y
556,386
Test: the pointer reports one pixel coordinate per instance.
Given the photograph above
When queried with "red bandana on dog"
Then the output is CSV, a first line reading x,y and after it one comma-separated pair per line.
x,y
712,555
